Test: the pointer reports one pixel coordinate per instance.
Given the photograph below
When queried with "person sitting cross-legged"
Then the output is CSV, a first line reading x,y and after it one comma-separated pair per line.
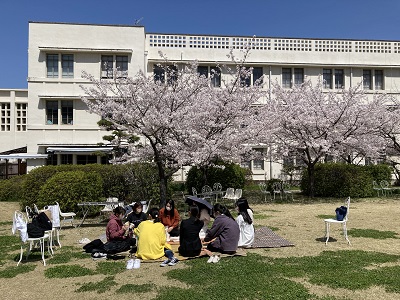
x,y
190,243
152,241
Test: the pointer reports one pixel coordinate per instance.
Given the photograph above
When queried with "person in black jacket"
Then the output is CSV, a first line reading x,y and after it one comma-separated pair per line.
x,y
190,243
136,215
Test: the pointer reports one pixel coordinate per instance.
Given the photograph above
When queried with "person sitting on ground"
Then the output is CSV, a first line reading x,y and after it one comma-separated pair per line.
x,y
203,216
152,240
245,221
223,234
169,217
119,236
136,215
190,243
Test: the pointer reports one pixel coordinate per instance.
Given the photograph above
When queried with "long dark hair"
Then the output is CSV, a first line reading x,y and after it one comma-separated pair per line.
x,y
171,212
222,210
154,214
243,206
194,212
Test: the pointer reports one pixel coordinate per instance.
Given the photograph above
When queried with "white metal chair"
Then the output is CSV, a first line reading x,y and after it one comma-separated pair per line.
x,y
286,190
194,191
206,192
328,223
376,187
55,221
20,224
217,188
230,194
237,194
67,217
277,189
264,190
385,187
146,205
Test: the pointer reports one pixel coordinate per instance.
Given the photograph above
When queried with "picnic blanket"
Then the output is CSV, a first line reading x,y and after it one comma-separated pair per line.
x,y
266,238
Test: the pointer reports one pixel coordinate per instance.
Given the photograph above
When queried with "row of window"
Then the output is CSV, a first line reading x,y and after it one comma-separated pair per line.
x,y
67,159
21,117
66,62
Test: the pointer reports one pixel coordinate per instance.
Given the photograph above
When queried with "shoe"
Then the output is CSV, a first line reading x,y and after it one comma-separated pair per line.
x,y
173,261
99,255
210,260
136,263
216,259
165,263
129,264
133,250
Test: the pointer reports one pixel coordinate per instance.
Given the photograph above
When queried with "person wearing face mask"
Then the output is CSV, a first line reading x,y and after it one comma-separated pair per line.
x,y
169,217
119,236
136,215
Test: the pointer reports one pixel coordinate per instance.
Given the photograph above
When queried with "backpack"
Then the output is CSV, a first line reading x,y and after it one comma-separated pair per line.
x,y
34,231
341,213
42,221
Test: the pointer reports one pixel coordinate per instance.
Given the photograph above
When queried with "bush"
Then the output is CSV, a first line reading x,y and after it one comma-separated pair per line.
x,y
342,180
228,174
12,189
70,188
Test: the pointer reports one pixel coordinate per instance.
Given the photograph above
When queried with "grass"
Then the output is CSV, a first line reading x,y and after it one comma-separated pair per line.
x,y
136,288
373,234
67,271
98,286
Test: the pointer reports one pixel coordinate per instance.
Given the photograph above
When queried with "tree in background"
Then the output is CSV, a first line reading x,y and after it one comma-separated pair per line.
x,y
314,123
182,118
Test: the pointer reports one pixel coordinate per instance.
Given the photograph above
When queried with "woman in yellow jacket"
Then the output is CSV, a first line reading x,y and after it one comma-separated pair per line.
x,y
152,243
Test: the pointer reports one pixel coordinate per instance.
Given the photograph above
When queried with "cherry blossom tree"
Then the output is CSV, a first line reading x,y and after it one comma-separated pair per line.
x,y
184,120
314,123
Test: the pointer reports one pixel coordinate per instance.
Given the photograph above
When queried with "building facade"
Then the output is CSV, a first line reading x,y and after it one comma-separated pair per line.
x,y
49,118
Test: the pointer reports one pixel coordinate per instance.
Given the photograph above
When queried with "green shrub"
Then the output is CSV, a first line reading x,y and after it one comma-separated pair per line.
x,y
342,180
12,189
70,188
228,174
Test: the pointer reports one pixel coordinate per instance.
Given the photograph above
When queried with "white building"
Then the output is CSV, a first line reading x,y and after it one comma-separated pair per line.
x,y
50,119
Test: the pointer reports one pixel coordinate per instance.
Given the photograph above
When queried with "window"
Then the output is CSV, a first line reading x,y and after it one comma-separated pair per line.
x,y
327,78
122,66
5,117
367,80
258,75
86,159
245,164
378,80
51,112
107,66
159,74
66,159
21,116
67,112
215,76
52,159
52,65
286,78
258,164
67,65
298,76
339,79
202,71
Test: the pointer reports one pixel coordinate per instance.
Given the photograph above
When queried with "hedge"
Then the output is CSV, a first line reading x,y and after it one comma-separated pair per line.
x,y
342,180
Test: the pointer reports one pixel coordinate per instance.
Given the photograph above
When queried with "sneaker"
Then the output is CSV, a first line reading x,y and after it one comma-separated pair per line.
x,y
210,260
136,264
173,261
129,264
216,259
99,255
165,263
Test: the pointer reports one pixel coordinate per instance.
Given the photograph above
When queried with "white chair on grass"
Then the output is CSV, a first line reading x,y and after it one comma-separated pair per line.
x,y
264,190
55,221
109,208
237,194
194,191
217,188
286,190
277,189
386,187
328,223
20,225
230,194
146,205
67,217
206,192
376,187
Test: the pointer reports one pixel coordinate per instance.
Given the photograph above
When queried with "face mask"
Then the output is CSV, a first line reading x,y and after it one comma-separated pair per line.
x,y
168,208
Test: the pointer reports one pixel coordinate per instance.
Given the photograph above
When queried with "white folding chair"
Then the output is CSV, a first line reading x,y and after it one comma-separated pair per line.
x,y
20,225
55,221
328,223
230,194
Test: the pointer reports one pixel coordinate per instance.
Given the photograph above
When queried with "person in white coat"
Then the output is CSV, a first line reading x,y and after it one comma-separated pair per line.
x,y
245,221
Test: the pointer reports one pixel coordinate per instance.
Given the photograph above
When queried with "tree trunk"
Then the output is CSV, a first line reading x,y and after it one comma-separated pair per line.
x,y
163,184
311,179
